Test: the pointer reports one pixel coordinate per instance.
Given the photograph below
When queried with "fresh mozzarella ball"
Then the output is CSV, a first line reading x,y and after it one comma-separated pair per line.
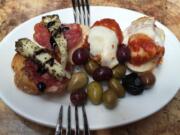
x,y
145,25
103,43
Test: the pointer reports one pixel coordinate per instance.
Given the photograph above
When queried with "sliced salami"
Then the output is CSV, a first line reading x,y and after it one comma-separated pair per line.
x,y
42,35
73,35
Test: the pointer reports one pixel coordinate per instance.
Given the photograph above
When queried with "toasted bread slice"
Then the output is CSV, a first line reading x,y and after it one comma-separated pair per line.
x,y
24,83
18,62
21,79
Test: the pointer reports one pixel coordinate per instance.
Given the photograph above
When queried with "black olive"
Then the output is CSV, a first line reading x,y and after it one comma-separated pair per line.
x,y
123,53
102,74
133,84
80,56
78,97
148,79
41,86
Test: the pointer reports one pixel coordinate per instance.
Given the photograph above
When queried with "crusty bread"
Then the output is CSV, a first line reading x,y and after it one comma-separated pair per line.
x,y
18,62
20,78
24,83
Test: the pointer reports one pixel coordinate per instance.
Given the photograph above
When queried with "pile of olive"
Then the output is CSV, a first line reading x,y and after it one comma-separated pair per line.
x,y
133,84
76,87
117,81
80,89
136,83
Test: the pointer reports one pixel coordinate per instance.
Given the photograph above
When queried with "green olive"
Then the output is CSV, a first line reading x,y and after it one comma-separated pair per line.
x,y
148,79
90,66
110,98
116,86
95,92
78,80
119,71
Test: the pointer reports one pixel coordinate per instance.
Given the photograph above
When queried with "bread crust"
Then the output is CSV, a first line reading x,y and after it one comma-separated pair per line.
x,y
20,78
24,83
18,62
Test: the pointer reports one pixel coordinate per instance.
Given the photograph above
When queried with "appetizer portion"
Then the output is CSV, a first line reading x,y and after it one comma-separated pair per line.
x,y
101,52
46,67
36,71
46,34
145,41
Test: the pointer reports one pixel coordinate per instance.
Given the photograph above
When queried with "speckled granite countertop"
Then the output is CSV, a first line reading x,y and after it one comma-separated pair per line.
x,y
164,122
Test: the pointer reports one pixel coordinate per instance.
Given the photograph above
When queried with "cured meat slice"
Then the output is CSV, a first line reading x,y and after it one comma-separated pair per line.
x,y
42,35
73,35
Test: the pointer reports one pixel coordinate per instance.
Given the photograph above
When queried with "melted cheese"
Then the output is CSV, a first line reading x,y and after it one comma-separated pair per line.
x,y
103,43
144,25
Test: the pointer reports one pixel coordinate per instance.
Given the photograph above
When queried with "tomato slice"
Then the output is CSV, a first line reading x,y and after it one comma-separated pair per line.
x,y
111,24
42,35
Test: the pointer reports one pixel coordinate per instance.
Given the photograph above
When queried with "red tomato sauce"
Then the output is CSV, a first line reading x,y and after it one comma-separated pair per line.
x,y
145,48
113,25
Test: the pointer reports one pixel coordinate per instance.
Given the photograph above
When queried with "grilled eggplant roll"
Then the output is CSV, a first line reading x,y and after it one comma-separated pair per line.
x,y
36,71
29,49
53,24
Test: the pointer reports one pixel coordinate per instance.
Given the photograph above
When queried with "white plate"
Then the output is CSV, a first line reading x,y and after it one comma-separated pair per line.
x,y
44,109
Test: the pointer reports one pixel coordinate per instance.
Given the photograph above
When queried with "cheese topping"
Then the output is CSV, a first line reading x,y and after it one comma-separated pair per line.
x,y
146,42
103,43
145,25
